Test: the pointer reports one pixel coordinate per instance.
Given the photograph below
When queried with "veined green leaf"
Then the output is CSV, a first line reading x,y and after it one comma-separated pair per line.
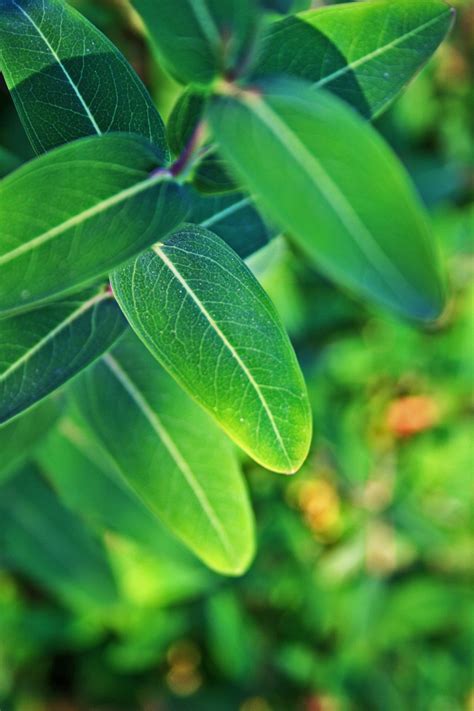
x,y
87,481
235,219
100,205
210,175
365,52
41,350
365,226
176,459
67,80
204,316
19,437
202,38
48,544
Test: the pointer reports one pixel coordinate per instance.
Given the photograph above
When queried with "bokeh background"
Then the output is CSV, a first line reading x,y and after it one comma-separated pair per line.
x,y
360,596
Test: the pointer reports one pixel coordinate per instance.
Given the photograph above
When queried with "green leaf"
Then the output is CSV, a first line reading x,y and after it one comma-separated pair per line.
x,y
235,219
201,39
284,7
69,217
365,52
19,437
210,175
363,226
41,350
204,316
176,459
43,540
67,80
8,162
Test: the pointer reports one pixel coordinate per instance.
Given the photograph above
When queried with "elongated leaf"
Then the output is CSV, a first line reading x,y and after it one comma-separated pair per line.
x,y
176,459
201,38
365,52
211,175
235,219
204,316
19,437
364,226
70,216
68,80
41,350
48,544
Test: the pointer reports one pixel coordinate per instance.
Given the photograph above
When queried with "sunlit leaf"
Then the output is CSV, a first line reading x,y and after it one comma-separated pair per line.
x,y
202,313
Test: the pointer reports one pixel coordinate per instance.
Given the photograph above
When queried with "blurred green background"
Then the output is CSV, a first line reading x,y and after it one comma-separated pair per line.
x,y
360,595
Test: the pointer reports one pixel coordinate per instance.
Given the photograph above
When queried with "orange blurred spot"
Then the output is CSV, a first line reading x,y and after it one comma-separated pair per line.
x,y
412,414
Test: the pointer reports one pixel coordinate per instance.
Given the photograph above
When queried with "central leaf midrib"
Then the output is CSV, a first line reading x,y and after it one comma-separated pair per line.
x,y
63,68
173,450
82,217
172,267
53,333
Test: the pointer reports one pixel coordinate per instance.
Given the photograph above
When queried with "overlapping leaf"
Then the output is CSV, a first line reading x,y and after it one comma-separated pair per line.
x,y
68,80
175,458
41,350
364,226
201,38
204,316
69,217
365,52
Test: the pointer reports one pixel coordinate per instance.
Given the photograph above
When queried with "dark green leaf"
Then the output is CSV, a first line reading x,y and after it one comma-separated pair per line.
x,y
286,6
41,350
364,226
176,459
235,219
204,316
19,437
8,162
48,544
202,38
69,217
365,52
68,80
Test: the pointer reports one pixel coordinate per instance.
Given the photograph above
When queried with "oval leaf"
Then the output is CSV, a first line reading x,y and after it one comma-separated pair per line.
x,y
365,52
364,226
41,350
204,316
176,459
99,207
204,38
67,80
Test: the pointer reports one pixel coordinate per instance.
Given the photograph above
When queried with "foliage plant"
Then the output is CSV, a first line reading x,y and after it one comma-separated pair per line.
x,y
123,243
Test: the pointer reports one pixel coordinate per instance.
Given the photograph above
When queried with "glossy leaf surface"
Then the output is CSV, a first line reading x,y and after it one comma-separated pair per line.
x,y
365,52
201,38
364,226
204,316
176,459
99,207
235,219
19,437
41,350
68,80
48,544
